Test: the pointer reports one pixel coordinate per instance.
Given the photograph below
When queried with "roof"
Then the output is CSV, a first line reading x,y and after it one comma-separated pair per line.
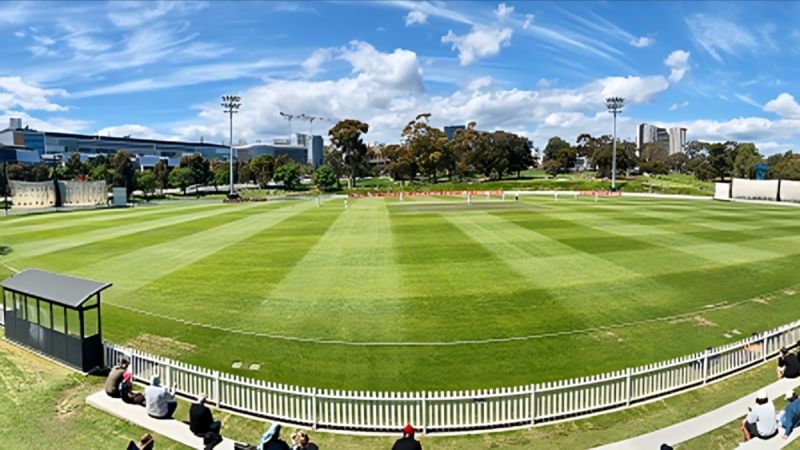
x,y
59,289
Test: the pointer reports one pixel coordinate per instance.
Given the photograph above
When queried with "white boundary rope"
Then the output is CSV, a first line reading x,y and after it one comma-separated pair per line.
x,y
717,306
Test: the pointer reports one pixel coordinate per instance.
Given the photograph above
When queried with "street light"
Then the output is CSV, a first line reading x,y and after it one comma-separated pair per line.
x,y
614,105
231,103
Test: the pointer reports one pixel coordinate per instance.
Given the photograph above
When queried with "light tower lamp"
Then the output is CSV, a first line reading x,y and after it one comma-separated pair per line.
x,y
614,105
231,104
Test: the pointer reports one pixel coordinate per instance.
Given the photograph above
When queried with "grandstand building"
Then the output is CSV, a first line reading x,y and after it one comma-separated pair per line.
x,y
34,146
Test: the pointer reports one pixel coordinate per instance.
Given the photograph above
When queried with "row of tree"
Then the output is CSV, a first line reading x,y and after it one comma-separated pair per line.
x,y
425,152
706,161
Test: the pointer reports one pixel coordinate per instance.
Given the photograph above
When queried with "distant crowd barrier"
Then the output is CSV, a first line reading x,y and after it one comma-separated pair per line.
x,y
83,193
458,412
424,194
27,194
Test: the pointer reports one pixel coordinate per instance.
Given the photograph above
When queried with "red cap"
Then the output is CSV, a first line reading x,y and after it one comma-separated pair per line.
x,y
408,429
127,376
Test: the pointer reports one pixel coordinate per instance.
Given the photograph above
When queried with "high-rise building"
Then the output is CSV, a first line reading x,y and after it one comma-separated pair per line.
x,y
677,140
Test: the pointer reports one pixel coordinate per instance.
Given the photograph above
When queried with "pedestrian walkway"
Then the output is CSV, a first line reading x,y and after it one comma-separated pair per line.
x,y
692,428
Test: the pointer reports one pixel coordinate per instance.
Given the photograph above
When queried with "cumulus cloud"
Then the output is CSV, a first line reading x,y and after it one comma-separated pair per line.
x,y
784,105
528,21
503,12
16,92
481,42
479,83
642,42
678,62
133,130
313,64
416,17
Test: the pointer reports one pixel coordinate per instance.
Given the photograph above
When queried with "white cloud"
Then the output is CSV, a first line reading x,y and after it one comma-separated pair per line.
x,y
15,13
677,106
19,34
429,9
642,42
784,105
716,36
313,64
503,12
58,124
678,62
18,93
416,17
481,42
528,21
480,83
747,99
133,130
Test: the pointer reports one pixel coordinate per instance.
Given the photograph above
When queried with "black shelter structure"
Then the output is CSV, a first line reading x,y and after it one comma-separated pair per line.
x,y
57,315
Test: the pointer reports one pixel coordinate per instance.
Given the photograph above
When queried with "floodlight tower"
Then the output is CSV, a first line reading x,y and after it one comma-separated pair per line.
x,y
231,104
288,117
614,105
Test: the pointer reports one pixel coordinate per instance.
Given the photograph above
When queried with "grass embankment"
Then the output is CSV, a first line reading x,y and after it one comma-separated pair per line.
x,y
43,407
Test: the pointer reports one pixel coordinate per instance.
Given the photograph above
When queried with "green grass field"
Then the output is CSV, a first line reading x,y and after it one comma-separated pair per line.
x,y
426,272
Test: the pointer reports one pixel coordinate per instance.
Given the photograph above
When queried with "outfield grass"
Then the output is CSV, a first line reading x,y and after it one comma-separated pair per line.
x,y
389,272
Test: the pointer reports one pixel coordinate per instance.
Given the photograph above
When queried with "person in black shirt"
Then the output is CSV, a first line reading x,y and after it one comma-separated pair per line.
x,y
788,364
200,419
407,442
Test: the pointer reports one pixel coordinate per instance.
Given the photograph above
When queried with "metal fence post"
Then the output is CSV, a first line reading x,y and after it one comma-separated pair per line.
x,y
216,388
628,386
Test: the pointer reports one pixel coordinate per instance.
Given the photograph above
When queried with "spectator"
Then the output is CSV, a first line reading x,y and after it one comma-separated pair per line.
x,y
271,439
303,442
145,443
760,421
161,403
115,378
788,364
790,418
201,421
126,390
407,442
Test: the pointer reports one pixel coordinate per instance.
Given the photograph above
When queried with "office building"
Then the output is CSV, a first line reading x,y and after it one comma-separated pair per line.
x,y
672,141
450,131
677,140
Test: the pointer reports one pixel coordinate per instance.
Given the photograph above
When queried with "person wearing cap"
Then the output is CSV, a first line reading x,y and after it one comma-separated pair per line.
x,y
761,421
201,421
407,442
126,390
790,418
788,364
160,401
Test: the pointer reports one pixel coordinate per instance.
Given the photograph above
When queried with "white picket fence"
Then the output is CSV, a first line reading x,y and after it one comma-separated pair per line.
x,y
458,412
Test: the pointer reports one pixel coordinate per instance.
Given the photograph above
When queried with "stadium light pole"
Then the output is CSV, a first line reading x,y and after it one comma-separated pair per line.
x,y
231,104
614,105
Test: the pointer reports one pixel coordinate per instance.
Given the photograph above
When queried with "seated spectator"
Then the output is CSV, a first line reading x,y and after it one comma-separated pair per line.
x,y
407,442
161,403
126,390
201,421
760,421
303,442
790,418
145,443
115,378
788,364
271,439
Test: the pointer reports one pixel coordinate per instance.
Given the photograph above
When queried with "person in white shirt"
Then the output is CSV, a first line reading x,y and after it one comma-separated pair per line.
x,y
761,421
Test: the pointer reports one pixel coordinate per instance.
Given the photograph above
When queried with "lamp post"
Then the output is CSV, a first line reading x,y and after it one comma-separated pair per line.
x,y
614,105
231,104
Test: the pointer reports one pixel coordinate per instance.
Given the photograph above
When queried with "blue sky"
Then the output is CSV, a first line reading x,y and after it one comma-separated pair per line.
x,y
723,70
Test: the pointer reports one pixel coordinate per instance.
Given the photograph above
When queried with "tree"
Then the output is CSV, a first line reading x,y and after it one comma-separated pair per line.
x,y
161,172
17,172
325,178
781,166
562,153
491,158
654,167
181,178
74,167
519,154
677,162
262,168
346,138
146,182
462,147
243,173
289,173
42,173
745,161
102,173
427,145
401,164
334,159
652,151
219,174
123,170
720,157
199,166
